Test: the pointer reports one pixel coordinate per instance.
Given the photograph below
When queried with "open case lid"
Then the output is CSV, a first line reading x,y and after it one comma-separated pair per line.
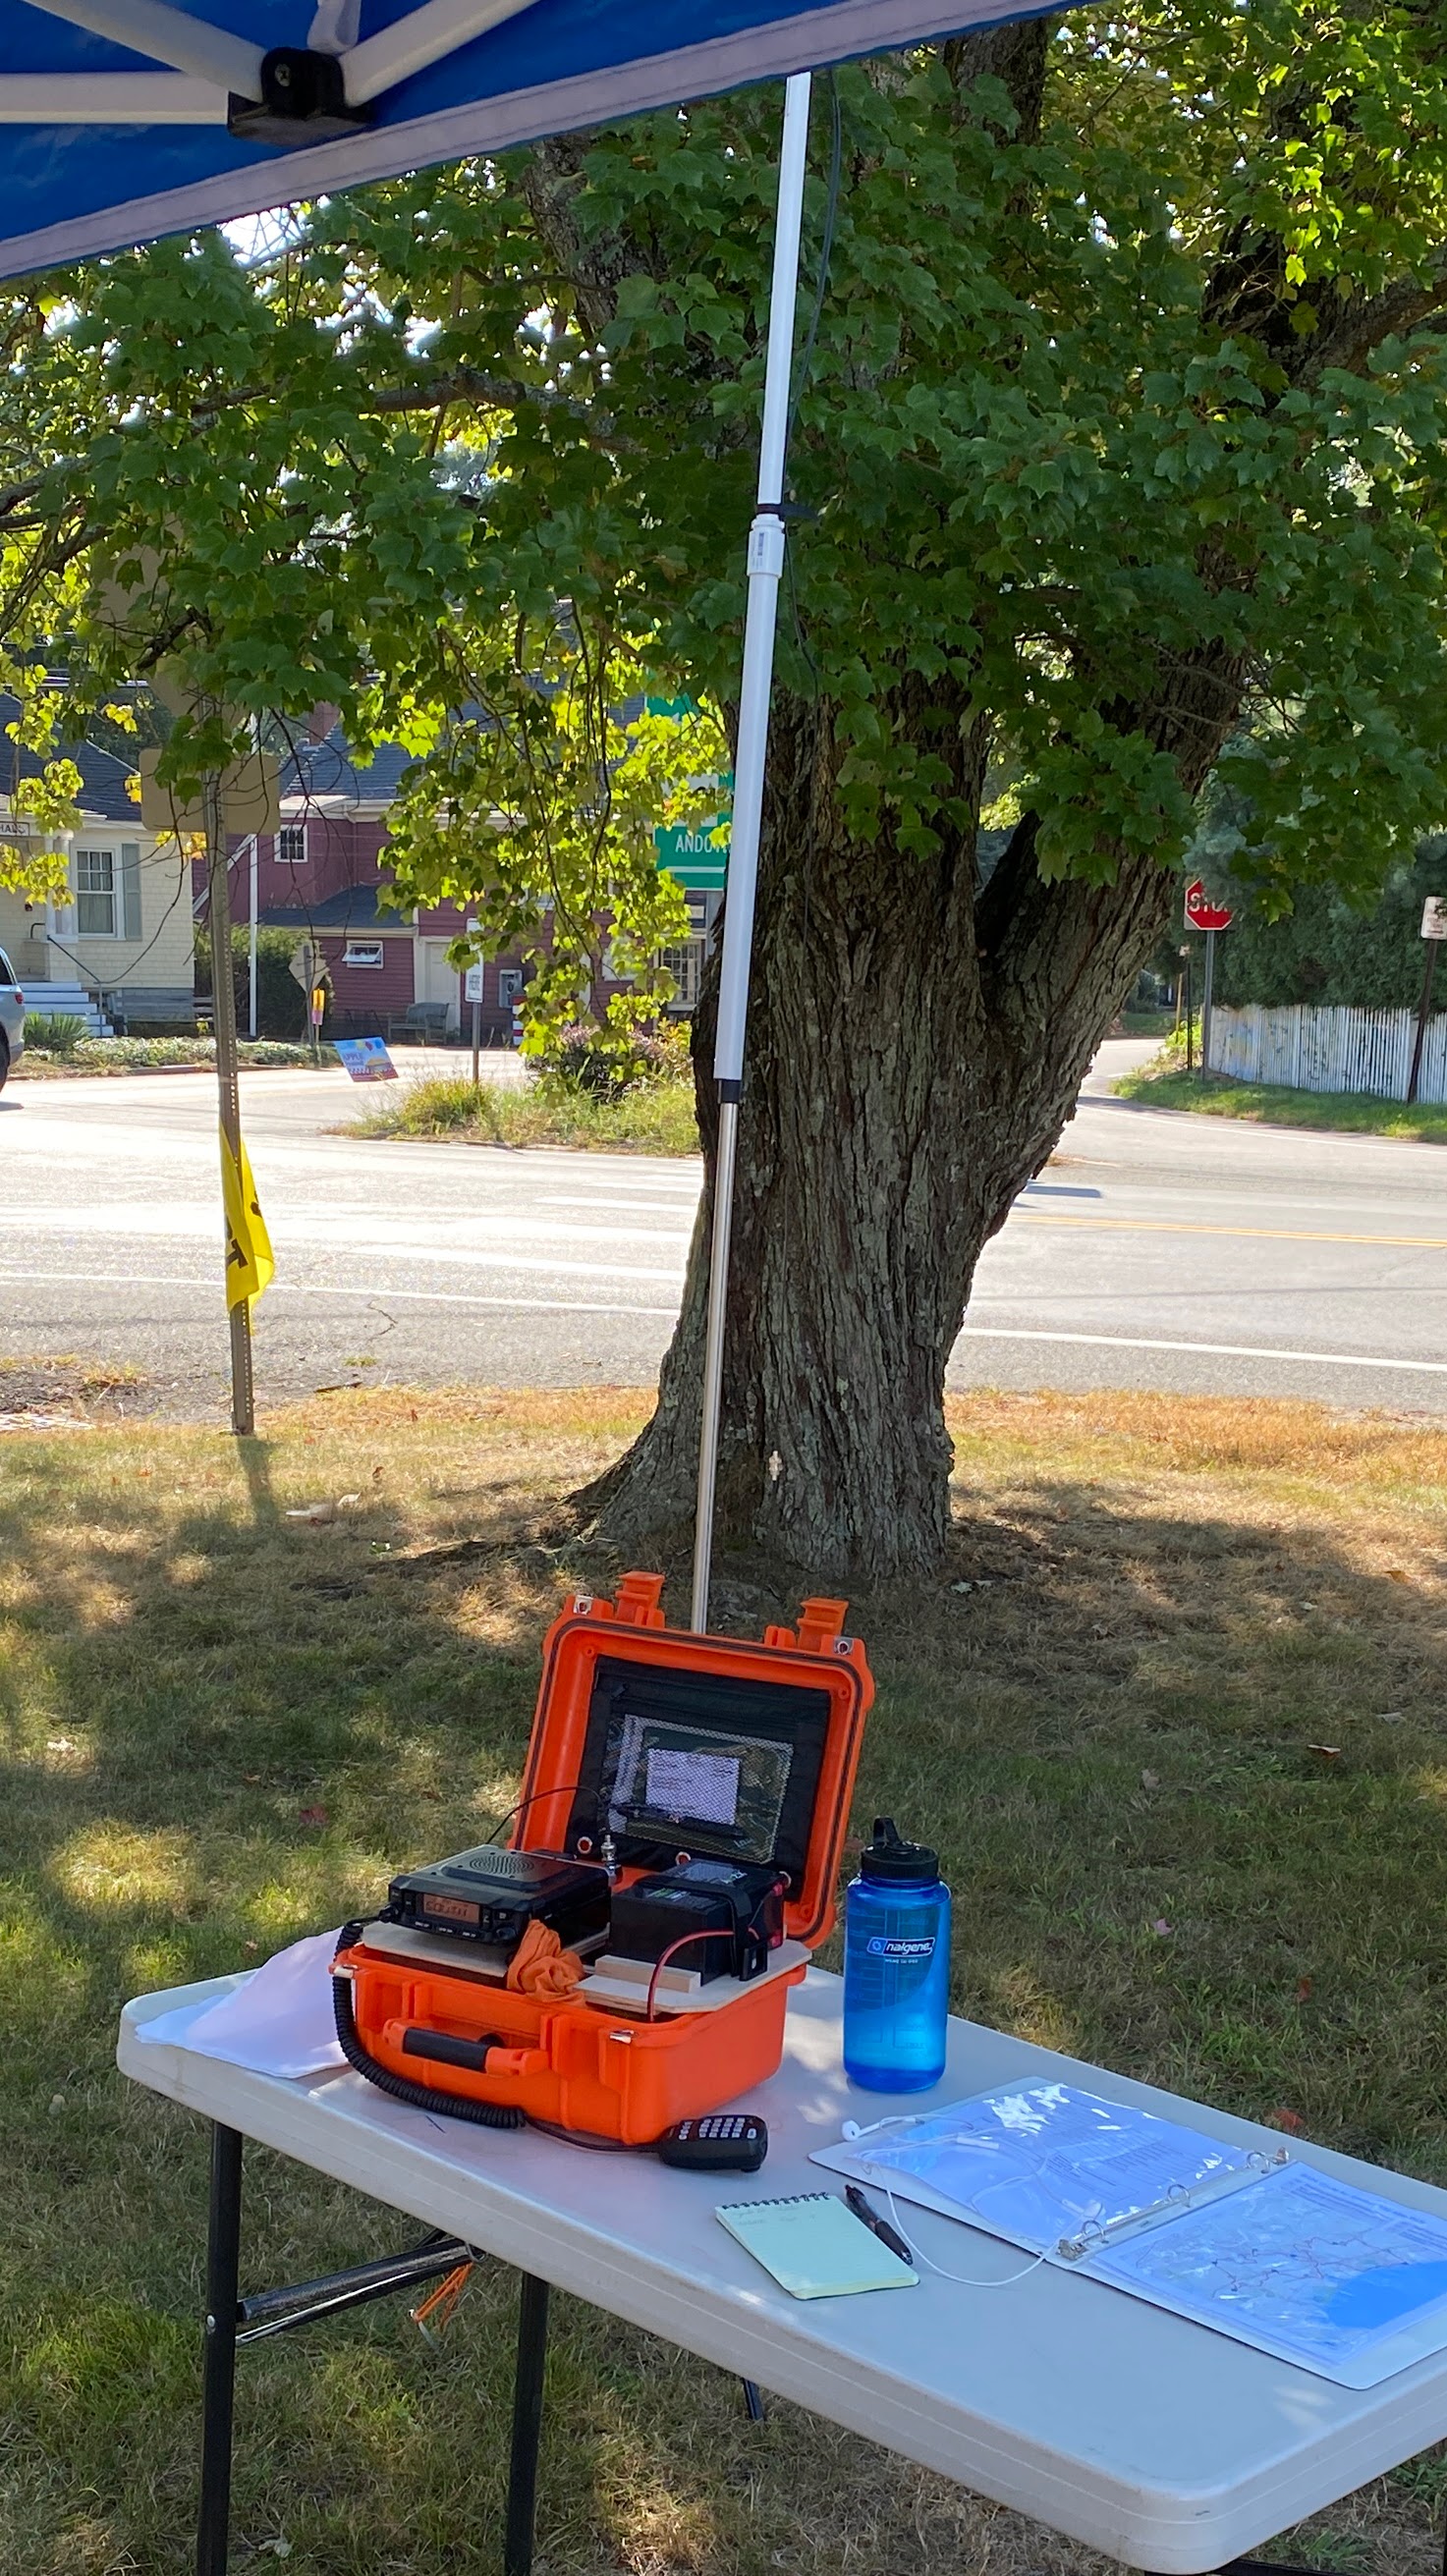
x,y
673,1742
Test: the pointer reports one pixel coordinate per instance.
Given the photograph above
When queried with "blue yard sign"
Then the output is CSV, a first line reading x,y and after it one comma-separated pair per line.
x,y
366,1059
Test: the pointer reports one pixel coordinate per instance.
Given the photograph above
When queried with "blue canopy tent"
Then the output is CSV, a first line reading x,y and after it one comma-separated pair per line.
x,y
124,119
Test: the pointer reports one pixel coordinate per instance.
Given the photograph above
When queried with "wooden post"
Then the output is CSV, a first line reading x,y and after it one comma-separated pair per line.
x,y
1423,1007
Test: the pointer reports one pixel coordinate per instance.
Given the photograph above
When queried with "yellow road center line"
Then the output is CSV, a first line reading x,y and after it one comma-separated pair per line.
x,y
1261,1233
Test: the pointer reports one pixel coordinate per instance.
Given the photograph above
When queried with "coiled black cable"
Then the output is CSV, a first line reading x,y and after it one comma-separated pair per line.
x,y
420,2097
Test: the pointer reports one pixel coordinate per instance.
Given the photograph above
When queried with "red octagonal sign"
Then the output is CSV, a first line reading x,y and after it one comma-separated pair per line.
x,y
1201,912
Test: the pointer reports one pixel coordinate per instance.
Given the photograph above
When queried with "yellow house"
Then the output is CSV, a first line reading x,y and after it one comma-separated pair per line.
x,y
120,950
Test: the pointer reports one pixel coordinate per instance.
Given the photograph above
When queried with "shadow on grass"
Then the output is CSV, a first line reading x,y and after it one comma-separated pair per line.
x,y
222,1727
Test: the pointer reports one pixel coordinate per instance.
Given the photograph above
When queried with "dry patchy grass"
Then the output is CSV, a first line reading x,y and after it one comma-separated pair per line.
x,y
446,1109
221,1727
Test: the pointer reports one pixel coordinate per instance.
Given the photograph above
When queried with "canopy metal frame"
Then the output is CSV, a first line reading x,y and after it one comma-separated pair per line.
x,y
208,67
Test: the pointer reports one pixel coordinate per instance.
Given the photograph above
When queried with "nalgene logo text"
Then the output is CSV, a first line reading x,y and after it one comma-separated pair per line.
x,y
880,1948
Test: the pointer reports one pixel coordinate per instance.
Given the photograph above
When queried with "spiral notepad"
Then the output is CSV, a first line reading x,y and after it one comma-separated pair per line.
x,y
814,2246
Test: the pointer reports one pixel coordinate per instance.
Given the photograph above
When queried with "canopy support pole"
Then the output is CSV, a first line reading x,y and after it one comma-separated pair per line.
x,y
766,565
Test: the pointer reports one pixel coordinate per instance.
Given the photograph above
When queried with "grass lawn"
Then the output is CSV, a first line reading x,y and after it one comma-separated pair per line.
x,y
1173,1713
1165,1084
1144,1023
654,1118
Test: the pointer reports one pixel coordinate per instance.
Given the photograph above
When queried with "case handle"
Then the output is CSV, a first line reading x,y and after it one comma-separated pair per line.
x,y
447,2051
487,2056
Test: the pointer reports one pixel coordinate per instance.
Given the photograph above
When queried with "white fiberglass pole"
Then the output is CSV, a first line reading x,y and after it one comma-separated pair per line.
x,y
766,565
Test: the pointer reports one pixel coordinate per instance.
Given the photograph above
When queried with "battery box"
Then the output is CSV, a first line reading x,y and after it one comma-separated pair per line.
x,y
704,1784
728,1917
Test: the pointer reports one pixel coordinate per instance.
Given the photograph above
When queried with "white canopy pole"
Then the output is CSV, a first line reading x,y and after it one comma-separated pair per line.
x,y
420,36
766,565
109,98
168,35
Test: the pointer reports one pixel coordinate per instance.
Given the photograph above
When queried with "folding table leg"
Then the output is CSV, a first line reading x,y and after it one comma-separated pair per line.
x,y
527,2426
223,2248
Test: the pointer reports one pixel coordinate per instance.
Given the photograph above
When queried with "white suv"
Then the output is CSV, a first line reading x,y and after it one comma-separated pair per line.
x,y
12,1019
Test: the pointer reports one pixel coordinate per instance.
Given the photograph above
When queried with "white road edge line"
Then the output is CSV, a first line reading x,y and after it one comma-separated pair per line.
x,y
355,1296
569,1306
1212,1350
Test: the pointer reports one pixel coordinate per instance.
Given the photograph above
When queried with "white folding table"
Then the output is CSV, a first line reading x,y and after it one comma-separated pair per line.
x,y
1168,2447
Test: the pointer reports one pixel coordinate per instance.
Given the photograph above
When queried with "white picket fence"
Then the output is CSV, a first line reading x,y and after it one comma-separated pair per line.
x,y
1312,1049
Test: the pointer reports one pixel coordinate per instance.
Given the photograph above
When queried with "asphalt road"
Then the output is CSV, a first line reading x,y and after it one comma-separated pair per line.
x,y
1157,1250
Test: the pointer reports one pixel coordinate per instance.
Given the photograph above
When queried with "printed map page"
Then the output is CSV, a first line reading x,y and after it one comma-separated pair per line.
x,y
1302,2266
1039,2163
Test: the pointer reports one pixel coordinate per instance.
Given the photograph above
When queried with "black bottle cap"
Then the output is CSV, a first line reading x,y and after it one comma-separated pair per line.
x,y
888,1862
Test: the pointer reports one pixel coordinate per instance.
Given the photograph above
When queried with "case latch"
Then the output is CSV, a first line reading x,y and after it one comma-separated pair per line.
x,y
639,1596
819,1624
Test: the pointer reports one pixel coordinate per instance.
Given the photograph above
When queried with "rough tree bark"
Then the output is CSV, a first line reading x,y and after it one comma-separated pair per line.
x,y
916,1044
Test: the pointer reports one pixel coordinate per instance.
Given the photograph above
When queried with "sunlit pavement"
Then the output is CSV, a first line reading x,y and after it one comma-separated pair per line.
x,y
1202,1255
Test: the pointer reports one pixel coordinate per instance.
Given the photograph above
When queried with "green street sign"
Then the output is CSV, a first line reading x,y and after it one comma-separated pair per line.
x,y
690,853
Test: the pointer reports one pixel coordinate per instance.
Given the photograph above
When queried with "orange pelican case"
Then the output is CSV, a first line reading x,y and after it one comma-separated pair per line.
x,y
622,2063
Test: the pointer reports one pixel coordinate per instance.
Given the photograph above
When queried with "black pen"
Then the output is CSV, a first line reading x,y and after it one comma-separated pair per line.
x,y
877,2226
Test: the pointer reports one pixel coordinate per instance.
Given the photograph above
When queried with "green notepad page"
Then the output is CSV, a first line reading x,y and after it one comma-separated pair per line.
x,y
814,2246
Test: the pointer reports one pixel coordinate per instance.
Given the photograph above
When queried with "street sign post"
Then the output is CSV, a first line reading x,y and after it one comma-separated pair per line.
x,y
472,994
1203,914
1434,929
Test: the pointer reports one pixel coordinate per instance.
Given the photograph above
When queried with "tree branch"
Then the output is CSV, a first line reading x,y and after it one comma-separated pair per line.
x,y
471,384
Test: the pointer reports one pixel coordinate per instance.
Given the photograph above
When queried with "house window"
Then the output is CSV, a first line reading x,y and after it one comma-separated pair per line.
x,y
291,845
95,894
685,965
362,952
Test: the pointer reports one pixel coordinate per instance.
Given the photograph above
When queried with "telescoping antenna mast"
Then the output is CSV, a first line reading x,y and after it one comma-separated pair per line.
x,y
766,565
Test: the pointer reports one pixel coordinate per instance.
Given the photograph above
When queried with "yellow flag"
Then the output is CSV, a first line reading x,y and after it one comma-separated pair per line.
x,y
249,1263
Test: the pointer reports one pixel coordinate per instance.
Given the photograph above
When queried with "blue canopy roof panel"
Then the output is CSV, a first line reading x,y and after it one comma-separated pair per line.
x,y
105,142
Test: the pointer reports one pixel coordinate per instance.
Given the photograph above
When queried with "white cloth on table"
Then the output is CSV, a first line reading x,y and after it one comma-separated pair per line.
x,y
276,2021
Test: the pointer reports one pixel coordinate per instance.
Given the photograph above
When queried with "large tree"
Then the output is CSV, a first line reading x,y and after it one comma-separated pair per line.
x,y
1118,456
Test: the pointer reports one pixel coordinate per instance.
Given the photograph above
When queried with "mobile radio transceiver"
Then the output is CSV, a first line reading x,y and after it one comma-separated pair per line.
x,y
679,1827
492,1895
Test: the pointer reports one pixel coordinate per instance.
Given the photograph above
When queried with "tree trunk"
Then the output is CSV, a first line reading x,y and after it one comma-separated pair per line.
x,y
913,1052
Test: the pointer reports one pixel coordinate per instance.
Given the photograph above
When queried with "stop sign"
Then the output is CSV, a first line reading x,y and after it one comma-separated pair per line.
x,y
1201,912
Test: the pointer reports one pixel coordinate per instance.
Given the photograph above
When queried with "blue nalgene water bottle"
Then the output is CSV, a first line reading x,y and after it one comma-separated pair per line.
x,y
896,1965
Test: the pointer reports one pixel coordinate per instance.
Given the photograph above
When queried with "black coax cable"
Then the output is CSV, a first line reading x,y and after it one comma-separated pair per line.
x,y
484,2115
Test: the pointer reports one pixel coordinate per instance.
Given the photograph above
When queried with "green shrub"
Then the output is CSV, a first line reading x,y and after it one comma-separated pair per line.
x,y
280,1002
597,1063
129,1055
59,1032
